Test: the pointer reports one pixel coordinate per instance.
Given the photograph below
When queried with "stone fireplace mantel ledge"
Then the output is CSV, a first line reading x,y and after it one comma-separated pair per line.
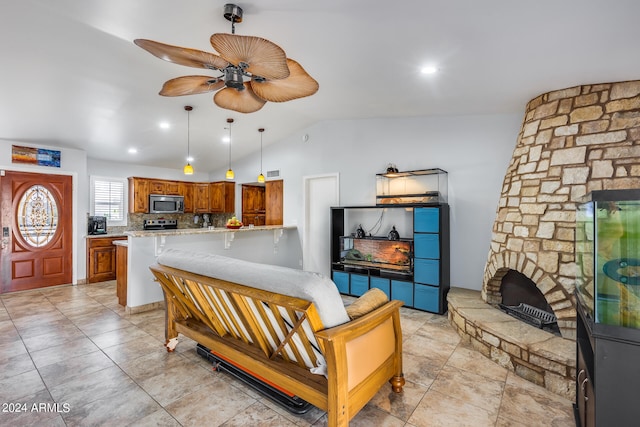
x,y
533,354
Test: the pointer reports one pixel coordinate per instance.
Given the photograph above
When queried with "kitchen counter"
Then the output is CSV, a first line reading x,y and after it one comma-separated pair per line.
x,y
108,235
270,244
124,243
186,231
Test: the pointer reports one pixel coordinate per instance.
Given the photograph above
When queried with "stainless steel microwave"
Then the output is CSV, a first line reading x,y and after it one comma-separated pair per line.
x,y
160,204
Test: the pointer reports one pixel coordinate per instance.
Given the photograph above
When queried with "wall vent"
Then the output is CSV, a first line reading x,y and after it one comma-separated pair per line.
x,y
272,174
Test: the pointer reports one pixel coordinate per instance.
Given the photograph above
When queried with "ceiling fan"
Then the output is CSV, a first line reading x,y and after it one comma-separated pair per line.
x,y
253,70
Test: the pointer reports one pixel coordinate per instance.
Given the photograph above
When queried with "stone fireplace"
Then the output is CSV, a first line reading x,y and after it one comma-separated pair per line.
x,y
572,141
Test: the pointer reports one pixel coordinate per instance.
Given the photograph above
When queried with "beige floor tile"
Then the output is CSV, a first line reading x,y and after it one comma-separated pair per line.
x,y
60,352
15,388
182,378
469,387
470,360
69,369
524,400
47,340
16,365
258,415
118,409
160,418
118,336
400,405
439,410
213,404
419,370
38,409
87,388
130,350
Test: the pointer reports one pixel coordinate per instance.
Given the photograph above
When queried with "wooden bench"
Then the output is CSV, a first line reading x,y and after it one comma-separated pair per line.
x,y
280,337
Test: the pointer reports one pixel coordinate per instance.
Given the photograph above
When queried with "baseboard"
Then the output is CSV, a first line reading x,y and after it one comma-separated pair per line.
x,y
144,307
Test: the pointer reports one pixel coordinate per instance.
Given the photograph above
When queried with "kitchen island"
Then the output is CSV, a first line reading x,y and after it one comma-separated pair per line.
x,y
272,244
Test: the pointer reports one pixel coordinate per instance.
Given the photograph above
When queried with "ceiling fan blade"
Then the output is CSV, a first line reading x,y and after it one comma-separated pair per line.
x,y
190,85
298,85
264,58
182,55
242,101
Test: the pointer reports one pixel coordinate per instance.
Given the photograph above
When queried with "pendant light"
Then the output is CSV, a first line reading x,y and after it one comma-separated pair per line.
x,y
230,174
261,177
188,169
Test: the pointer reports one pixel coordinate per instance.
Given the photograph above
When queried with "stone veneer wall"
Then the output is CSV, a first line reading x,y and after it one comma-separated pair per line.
x,y
572,141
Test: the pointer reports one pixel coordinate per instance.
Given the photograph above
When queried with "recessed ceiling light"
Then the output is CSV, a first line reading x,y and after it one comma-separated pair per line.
x,y
133,150
164,125
429,69
226,139
189,159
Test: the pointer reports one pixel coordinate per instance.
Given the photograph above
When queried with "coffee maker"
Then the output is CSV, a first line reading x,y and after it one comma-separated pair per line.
x,y
97,225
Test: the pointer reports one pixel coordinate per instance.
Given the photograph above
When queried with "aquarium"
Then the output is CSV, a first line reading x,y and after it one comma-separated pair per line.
x,y
378,253
418,187
607,253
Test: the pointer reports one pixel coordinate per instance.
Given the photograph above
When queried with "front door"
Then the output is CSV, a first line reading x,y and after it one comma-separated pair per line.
x,y
35,231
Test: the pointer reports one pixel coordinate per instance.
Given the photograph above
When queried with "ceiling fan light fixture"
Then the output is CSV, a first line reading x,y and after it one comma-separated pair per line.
x,y
261,176
188,169
229,174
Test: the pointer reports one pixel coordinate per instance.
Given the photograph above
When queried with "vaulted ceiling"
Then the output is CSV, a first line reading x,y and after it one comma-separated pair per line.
x,y
72,77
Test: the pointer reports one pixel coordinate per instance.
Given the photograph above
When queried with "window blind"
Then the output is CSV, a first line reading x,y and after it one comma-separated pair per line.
x,y
109,199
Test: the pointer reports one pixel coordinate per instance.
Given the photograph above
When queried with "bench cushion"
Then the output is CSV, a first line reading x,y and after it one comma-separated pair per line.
x,y
307,285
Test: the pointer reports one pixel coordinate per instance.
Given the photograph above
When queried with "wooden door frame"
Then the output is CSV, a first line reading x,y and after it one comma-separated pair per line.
x,y
75,207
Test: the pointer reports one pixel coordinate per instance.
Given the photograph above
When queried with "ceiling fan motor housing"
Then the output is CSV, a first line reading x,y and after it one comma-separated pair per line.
x,y
232,13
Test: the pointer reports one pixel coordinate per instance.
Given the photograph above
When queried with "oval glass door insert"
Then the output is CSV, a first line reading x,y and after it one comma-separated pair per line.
x,y
37,216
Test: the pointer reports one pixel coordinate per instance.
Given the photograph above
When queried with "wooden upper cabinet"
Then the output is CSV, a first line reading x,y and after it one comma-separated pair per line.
x,y
273,195
201,197
186,190
157,186
172,188
222,197
138,195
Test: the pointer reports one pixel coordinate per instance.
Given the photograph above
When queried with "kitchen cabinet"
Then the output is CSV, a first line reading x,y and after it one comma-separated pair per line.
x,y
273,195
201,197
121,274
172,188
138,195
253,204
186,189
222,197
157,186
101,258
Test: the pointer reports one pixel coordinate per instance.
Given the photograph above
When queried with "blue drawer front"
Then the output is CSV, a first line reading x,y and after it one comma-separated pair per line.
x,y
342,281
359,284
426,271
383,284
402,291
426,245
426,220
427,298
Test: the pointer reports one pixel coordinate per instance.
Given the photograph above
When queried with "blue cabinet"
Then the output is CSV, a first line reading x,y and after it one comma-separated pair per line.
x,y
402,291
425,285
359,284
341,280
381,283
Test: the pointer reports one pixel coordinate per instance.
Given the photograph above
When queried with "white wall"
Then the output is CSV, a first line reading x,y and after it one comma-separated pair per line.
x,y
474,150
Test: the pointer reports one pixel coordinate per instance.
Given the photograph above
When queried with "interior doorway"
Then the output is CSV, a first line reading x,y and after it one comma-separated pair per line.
x,y
321,192
36,233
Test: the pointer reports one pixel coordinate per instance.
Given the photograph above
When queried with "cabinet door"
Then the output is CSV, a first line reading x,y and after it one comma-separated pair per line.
x,y
101,259
186,191
427,298
381,283
426,271
201,197
426,220
157,186
341,279
172,188
138,195
216,197
402,291
274,202
359,284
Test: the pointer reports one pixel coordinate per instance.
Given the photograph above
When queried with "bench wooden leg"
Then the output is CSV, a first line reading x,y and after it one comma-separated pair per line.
x,y
397,382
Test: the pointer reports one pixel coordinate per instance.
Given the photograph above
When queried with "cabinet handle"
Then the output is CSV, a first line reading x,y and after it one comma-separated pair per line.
x,y
586,380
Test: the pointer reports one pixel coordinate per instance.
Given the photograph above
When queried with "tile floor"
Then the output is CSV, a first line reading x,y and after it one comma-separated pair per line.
x,y
74,353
